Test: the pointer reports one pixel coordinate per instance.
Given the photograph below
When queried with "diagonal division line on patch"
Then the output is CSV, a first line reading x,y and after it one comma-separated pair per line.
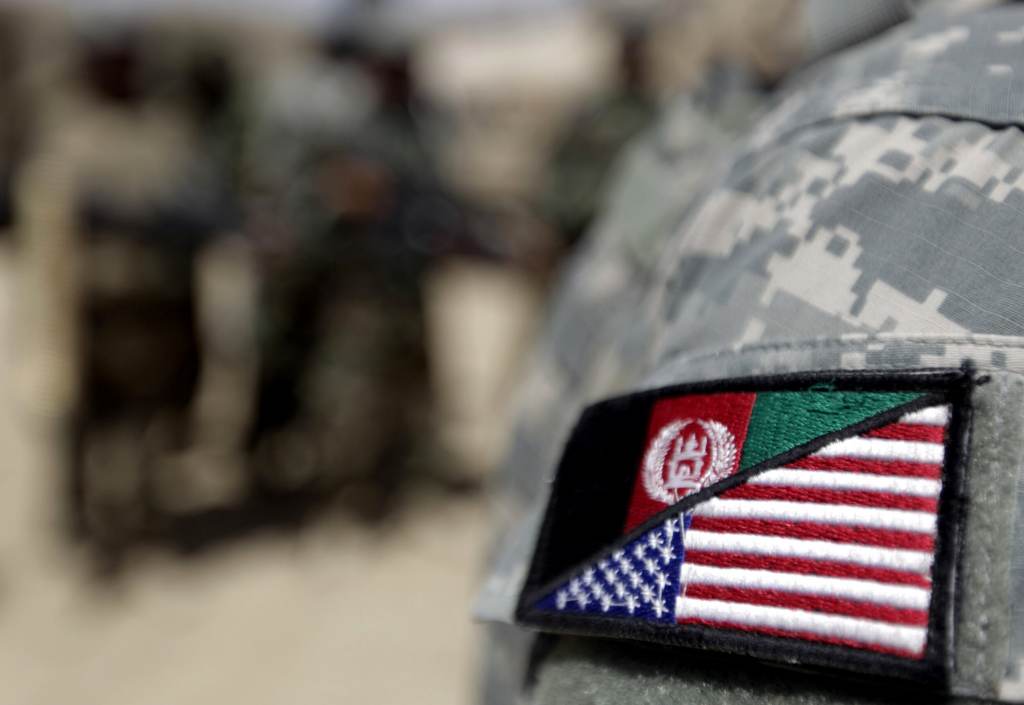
x,y
797,523
793,455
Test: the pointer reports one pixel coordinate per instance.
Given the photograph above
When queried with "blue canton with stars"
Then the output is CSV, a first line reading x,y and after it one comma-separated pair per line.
x,y
639,580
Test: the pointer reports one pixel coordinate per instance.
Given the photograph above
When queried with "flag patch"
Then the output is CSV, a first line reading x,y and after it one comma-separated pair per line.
x,y
812,520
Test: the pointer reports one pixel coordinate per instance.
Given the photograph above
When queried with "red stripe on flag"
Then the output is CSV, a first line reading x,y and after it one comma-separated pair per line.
x,y
809,603
896,468
817,495
806,636
909,432
884,538
806,566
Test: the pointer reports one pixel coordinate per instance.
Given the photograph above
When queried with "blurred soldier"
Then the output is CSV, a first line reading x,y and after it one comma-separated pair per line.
x,y
343,392
578,168
867,221
127,223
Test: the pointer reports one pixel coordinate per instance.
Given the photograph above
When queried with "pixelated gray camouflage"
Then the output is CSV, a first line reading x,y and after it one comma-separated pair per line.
x,y
870,217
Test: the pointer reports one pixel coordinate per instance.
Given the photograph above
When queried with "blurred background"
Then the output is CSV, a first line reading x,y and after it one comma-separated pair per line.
x,y
269,272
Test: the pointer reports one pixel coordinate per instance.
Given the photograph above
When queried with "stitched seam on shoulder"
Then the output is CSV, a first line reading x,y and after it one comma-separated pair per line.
x,y
676,356
919,113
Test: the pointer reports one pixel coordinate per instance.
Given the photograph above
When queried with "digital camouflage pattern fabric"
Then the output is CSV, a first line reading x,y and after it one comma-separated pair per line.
x,y
868,219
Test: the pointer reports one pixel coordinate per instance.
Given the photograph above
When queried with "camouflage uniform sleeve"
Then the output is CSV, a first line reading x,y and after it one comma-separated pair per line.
x,y
590,347
869,221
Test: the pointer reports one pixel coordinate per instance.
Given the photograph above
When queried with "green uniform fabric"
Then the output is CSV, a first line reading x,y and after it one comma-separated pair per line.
x,y
984,624
595,672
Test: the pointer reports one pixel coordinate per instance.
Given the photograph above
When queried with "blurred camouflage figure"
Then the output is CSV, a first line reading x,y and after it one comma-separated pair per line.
x,y
113,236
578,167
218,390
866,216
214,293
342,304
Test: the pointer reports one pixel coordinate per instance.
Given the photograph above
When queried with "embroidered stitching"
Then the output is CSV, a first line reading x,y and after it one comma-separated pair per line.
x,y
899,537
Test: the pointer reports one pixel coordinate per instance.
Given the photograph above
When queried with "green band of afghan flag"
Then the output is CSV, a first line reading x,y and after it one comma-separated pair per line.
x,y
781,421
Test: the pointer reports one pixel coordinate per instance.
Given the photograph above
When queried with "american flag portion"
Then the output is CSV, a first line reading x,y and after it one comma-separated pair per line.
x,y
836,547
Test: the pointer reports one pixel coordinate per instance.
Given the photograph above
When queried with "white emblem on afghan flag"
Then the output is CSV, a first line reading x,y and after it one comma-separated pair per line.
x,y
687,456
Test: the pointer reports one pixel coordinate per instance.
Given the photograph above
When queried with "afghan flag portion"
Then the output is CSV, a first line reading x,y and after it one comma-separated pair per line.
x,y
760,519
696,441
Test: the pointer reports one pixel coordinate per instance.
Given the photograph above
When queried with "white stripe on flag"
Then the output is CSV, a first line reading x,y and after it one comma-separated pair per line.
x,y
846,515
905,596
917,487
862,630
891,558
883,449
932,416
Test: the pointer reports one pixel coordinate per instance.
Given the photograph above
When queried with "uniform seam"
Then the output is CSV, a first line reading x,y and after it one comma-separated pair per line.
x,y
677,355
923,113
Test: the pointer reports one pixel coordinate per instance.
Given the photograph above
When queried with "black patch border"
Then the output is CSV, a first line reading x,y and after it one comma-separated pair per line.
x,y
552,564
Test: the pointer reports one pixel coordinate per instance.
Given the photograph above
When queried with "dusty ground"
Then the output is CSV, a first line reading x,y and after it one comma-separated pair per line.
x,y
339,615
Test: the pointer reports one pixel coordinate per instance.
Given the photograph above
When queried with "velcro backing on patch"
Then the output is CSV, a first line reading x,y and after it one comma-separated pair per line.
x,y
810,519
